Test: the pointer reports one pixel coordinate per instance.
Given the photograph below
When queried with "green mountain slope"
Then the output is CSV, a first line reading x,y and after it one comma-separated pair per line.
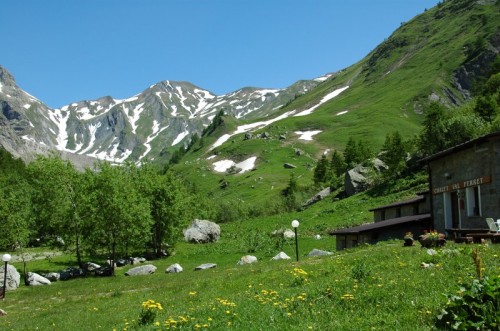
x,y
422,61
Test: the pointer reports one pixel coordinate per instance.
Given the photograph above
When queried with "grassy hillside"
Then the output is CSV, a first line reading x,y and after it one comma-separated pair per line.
x,y
388,91
382,287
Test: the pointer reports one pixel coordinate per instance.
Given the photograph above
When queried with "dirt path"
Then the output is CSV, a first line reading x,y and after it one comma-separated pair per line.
x,y
35,256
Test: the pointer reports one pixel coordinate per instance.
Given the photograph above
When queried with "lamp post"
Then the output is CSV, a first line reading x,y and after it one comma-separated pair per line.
x,y
295,225
6,259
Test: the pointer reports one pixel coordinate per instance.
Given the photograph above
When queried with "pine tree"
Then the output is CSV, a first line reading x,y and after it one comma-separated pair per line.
x,y
337,164
395,153
321,171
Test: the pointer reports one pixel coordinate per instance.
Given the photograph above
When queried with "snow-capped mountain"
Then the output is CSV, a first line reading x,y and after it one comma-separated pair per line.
x,y
136,129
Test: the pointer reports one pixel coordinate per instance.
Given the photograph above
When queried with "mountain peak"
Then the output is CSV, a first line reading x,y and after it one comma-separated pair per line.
x,y
6,78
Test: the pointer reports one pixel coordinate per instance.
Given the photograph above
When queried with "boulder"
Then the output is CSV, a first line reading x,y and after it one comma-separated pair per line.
x,y
137,260
52,276
281,256
121,262
319,252
318,197
104,271
142,270
247,259
379,165
202,231
71,273
298,152
91,266
13,277
289,166
358,179
248,136
205,266
174,268
317,237
3,312
285,233
35,279
289,234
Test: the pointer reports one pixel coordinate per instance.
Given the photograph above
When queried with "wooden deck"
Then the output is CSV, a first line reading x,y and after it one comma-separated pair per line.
x,y
477,237
461,232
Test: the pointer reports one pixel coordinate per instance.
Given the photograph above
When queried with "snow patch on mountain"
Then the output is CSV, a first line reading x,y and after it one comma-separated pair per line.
x,y
323,78
179,137
120,101
262,124
32,98
325,99
151,137
60,119
246,165
250,127
182,98
342,112
92,130
307,135
136,114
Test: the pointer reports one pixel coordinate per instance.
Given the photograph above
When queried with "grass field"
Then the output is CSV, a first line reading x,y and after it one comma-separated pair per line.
x,y
380,287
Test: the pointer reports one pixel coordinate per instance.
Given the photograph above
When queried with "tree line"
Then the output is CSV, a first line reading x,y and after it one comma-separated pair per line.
x,y
110,210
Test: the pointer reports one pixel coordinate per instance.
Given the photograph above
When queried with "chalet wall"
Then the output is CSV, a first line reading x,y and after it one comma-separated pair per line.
x,y
451,175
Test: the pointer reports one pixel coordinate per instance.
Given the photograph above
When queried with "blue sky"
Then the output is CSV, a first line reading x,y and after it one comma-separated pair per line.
x,y
62,51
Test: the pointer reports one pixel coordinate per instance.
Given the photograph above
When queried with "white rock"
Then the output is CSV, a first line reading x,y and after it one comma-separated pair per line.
x,y
176,267
35,279
289,234
53,276
247,259
142,270
202,231
13,277
319,252
281,256
206,266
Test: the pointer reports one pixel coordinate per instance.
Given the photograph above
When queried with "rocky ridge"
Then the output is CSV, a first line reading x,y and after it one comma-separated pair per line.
x,y
136,129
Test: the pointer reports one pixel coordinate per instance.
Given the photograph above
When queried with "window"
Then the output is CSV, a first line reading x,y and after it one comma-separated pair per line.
x,y
382,215
473,196
398,212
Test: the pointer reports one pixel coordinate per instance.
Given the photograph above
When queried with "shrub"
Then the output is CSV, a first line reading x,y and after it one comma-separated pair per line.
x,y
360,270
475,307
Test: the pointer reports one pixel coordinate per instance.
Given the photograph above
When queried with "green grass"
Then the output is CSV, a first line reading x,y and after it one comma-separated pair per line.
x,y
380,287
377,287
